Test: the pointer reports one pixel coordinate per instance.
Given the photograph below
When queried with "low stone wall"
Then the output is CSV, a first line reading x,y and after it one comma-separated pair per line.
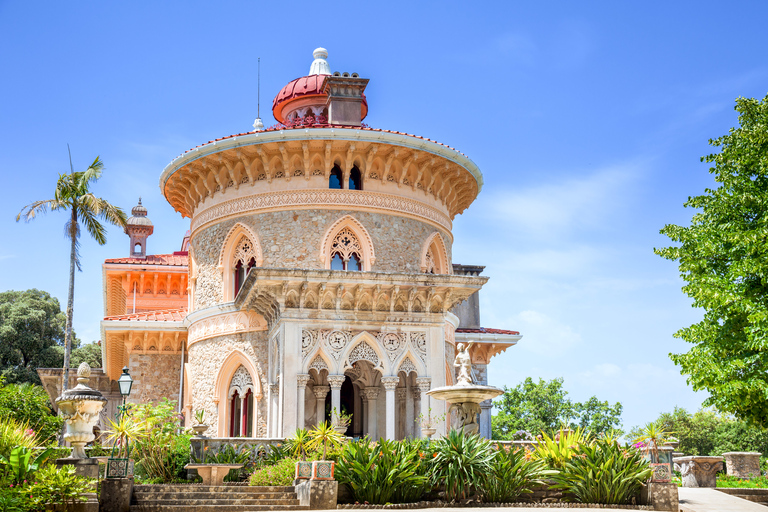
x,y
756,495
742,464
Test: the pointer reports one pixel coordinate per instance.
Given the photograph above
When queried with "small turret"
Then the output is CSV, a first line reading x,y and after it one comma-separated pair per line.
x,y
138,228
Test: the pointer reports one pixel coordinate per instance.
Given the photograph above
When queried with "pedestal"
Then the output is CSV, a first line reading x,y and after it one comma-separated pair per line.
x,y
116,494
699,470
742,464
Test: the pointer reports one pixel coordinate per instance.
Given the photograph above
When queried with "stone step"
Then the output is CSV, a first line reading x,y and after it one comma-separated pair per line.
x,y
150,507
211,488
243,502
147,496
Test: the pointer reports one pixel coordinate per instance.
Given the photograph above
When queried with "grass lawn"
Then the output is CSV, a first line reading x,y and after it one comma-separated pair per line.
x,y
760,482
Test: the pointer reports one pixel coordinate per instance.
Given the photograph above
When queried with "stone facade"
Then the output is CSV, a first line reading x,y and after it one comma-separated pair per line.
x,y
206,359
155,376
292,239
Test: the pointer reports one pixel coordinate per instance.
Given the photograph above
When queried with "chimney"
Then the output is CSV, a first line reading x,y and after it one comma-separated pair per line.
x,y
345,98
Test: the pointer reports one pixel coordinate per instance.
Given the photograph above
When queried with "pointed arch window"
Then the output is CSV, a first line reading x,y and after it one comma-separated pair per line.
x,y
336,178
241,404
434,257
355,179
430,263
244,260
346,251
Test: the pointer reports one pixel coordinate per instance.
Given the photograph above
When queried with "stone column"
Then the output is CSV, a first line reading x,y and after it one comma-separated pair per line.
x,y
424,384
371,395
401,427
336,381
364,414
320,393
416,427
274,394
302,379
409,423
390,384
243,424
485,418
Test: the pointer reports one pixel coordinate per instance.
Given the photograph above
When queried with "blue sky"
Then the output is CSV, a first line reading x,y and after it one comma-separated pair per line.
x,y
587,120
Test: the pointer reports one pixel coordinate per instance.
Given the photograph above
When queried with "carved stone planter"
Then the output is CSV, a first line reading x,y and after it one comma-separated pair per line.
x,y
698,470
428,432
80,408
119,468
323,470
742,464
200,430
303,470
661,472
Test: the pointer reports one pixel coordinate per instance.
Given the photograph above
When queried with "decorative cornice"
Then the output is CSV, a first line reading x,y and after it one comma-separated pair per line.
x,y
321,198
228,323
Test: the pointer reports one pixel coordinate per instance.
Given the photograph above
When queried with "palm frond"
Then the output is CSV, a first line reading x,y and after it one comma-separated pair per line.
x,y
104,209
30,211
93,173
95,228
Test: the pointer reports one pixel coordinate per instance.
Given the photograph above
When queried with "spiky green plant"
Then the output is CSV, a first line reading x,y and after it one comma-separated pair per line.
x,y
299,443
555,451
603,472
460,462
324,435
513,473
15,433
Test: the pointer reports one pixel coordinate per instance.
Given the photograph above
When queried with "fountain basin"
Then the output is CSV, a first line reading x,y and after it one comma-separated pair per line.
x,y
473,393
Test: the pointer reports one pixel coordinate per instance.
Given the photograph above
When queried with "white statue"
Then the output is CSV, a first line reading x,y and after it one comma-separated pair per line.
x,y
464,363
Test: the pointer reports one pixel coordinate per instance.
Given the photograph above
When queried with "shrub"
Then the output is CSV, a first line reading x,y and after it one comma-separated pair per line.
x,y
557,450
280,474
163,451
603,472
383,472
512,475
15,433
59,486
29,404
460,462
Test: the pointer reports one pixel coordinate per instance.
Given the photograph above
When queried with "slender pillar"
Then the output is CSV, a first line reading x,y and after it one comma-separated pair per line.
x,y
301,385
402,432
409,419
275,396
336,381
424,384
244,415
364,414
371,395
485,418
390,384
320,393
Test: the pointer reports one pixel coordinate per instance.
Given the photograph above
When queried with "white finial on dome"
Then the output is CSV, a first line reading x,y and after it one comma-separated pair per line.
x,y
320,65
258,125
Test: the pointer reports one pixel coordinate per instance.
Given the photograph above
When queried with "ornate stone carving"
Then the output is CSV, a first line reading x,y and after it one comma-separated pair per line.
x,y
419,343
370,393
337,340
318,364
430,263
320,198
346,244
308,340
229,323
402,393
302,380
390,383
241,382
392,342
336,381
424,384
407,366
321,392
363,351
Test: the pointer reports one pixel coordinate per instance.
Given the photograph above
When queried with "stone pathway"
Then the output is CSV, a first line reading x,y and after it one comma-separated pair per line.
x,y
709,500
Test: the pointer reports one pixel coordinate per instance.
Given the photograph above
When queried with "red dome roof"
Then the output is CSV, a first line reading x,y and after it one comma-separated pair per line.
x,y
303,87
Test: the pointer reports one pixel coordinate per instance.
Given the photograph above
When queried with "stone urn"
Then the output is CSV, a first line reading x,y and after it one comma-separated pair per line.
x,y
200,429
428,432
80,407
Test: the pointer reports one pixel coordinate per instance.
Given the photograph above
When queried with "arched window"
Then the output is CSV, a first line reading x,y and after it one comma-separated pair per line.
x,y
336,178
434,256
346,251
355,180
241,404
430,262
243,261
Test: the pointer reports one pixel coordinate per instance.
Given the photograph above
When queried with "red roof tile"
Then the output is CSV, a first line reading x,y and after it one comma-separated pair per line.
x,y
167,315
484,330
365,128
177,259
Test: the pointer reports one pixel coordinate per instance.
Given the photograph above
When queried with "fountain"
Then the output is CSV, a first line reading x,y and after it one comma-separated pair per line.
x,y
465,396
80,408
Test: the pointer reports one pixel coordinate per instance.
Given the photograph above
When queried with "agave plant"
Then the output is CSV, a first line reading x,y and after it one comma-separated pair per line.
x,y
603,472
652,435
460,462
123,431
383,472
299,443
512,475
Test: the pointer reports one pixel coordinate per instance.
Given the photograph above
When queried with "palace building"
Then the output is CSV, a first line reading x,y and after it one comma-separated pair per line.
x,y
316,275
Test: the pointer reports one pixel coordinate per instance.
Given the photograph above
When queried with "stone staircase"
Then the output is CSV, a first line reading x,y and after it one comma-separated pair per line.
x,y
206,498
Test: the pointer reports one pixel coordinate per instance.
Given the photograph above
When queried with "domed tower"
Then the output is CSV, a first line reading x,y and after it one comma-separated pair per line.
x,y
138,228
320,266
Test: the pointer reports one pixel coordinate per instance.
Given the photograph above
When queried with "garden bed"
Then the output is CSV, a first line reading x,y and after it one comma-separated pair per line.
x,y
443,504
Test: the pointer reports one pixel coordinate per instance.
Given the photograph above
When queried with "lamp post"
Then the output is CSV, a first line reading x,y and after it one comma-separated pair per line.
x,y
124,382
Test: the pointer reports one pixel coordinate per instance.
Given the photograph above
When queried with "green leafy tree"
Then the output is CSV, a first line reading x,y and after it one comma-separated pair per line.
x,y
30,405
31,328
73,195
89,353
723,258
544,406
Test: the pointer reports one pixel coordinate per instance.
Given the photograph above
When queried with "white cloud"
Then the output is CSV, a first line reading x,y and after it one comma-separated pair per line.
x,y
544,335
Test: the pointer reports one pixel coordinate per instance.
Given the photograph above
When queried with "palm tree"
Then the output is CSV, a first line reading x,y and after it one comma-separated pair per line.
x,y
73,195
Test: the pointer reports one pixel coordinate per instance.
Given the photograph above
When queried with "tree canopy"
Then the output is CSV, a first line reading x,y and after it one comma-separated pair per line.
x,y
723,258
32,337
544,406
